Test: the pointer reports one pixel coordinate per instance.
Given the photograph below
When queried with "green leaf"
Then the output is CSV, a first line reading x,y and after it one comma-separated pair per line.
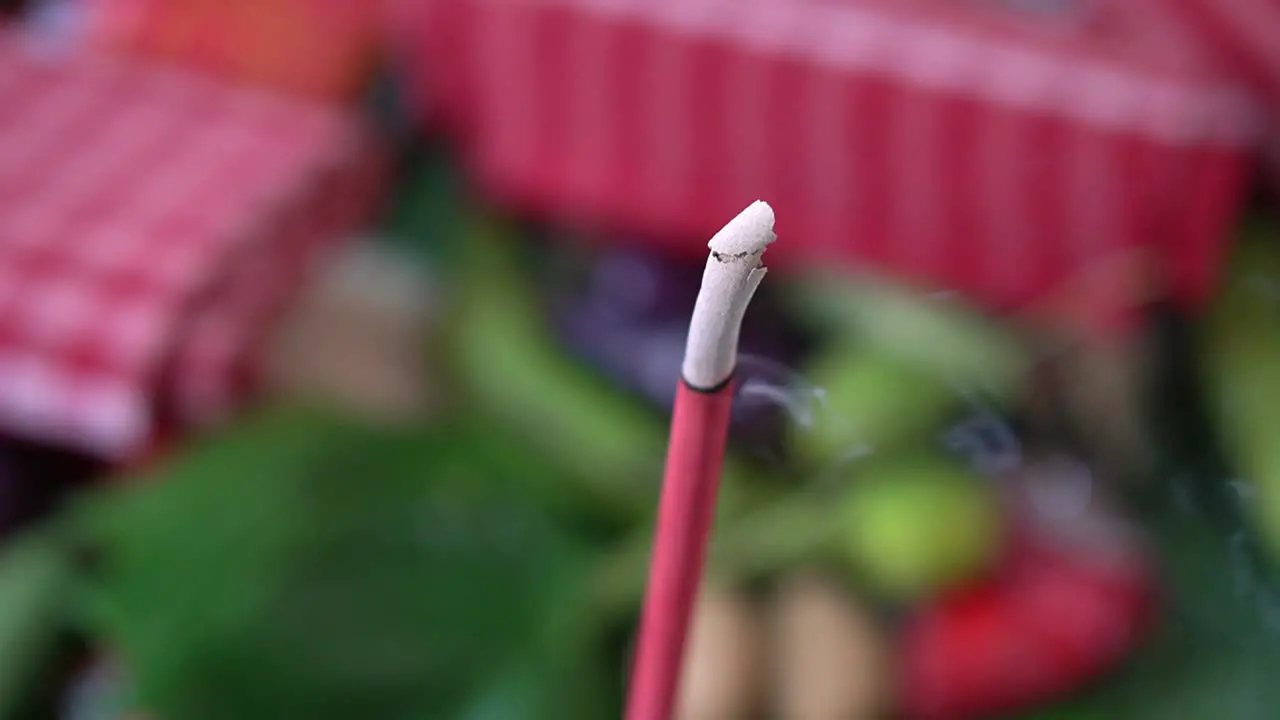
x,y
946,340
505,360
305,567
35,579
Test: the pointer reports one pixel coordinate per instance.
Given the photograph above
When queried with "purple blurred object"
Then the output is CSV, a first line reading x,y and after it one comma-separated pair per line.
x,y
629,318
642,286
34,480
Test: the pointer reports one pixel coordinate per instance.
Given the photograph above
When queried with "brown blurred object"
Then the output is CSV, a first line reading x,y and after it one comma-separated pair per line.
x,y
1103,386
724,671
1090,393
1095,360
356,338
830,657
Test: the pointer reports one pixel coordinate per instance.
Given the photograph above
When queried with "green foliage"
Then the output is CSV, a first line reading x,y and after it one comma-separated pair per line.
x,y
512,373
303,567
943,339
35,578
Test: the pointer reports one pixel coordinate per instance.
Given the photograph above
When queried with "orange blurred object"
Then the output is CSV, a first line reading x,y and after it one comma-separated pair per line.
x,y
318,48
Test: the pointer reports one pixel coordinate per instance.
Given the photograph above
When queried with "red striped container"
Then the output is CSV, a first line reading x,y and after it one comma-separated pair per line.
x,y
1014,159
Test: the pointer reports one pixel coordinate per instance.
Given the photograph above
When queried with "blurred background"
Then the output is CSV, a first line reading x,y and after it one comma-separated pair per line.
x,y
338,341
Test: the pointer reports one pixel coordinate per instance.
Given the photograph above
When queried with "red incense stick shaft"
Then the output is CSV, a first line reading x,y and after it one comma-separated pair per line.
x,y
695,453
699,428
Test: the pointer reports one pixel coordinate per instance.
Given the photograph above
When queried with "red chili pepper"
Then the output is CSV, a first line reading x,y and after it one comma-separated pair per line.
x,y
1051,622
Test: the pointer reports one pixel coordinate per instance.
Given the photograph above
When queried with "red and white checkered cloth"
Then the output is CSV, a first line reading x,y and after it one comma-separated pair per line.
x,y
151,224
943,141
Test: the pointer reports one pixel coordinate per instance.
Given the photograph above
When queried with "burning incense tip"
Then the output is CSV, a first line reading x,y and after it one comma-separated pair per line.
x,y
733,273
746,235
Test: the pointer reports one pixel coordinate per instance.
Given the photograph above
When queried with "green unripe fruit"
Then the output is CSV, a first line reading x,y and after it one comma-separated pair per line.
x,y
916,526
867,400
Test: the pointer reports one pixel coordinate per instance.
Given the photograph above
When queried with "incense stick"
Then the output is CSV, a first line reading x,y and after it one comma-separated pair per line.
x,y
695,454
